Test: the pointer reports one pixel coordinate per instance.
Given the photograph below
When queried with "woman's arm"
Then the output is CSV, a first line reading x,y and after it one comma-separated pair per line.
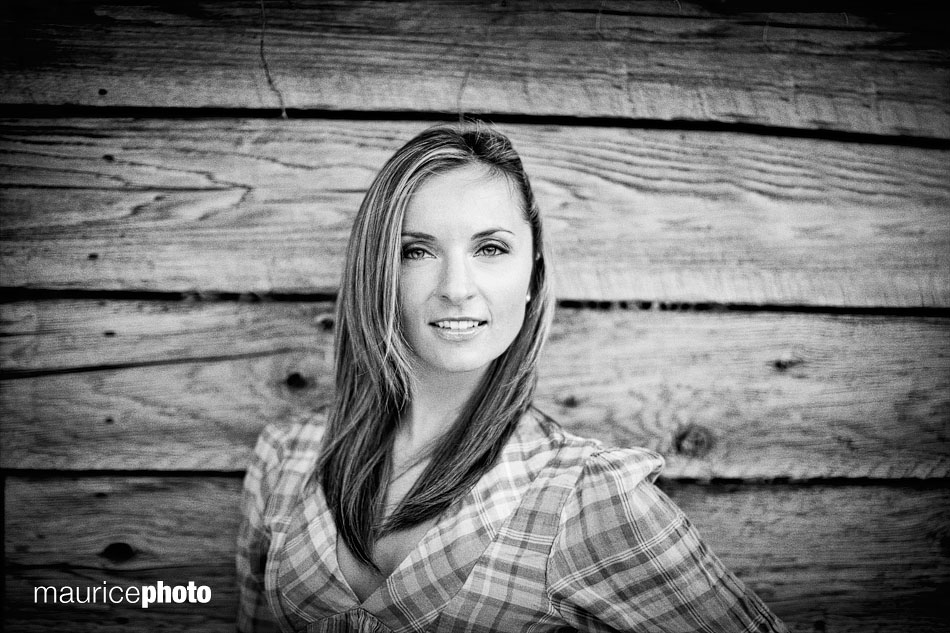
x,y
627,559
253,540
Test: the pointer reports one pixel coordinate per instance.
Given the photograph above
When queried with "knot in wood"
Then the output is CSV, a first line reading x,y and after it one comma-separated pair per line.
x,y
296,381
117,552
694,441
325,322
786,361
570,401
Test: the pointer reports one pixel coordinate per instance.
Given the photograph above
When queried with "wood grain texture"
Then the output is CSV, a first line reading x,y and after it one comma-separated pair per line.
x,y
266,206
834,558
852,69
128,532
188,385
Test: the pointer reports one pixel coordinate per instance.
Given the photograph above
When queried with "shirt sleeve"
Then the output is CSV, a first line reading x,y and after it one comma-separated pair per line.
x,y
253,538
627,559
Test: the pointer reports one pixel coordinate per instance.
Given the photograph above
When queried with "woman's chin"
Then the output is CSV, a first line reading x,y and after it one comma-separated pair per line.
x,y
460,364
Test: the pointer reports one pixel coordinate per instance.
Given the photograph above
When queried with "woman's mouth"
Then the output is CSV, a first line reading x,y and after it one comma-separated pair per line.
x,y
458,329
458,324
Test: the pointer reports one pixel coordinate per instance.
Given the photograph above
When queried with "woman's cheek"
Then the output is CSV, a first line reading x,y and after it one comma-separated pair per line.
x,y
512,305
415,285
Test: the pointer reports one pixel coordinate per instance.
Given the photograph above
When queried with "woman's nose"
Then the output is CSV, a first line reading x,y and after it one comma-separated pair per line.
x,y
456,284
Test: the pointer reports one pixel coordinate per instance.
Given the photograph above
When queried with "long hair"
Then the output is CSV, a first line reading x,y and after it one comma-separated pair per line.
x,y
374,361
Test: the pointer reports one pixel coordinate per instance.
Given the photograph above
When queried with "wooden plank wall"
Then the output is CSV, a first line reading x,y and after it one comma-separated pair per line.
x,y
750,214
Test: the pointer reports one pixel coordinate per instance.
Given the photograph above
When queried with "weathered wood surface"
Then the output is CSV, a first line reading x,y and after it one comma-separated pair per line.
x,y
831,558
262,206
188,385
128,532
848,69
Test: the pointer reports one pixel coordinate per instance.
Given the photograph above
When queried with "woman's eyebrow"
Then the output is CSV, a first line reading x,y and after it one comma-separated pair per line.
x,y
417,235
491,231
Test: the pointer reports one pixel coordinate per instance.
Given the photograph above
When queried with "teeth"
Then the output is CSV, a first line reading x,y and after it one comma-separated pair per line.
x,y
456,325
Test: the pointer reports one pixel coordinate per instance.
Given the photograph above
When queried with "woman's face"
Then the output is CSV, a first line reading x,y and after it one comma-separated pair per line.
x,y
467,256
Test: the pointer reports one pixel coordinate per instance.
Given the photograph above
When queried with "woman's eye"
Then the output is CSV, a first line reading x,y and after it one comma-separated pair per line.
x,y
491,250
413,252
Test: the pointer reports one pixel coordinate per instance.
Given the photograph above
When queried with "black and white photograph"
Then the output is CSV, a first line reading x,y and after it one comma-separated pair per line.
x,y
486,317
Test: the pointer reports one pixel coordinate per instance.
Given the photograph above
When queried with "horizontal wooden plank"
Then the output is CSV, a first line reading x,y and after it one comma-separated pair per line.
x,y
832,558
74,335
183,416
188,385
838,559
757,396
878,72
266,206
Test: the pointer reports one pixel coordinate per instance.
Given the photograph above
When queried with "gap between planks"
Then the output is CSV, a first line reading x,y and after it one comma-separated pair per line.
x,y
15,294
41,111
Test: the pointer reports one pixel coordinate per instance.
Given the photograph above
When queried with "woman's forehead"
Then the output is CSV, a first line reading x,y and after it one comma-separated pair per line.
x,y
467,199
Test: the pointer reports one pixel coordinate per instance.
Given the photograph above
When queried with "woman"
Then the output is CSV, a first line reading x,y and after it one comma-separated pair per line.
x,y
438,499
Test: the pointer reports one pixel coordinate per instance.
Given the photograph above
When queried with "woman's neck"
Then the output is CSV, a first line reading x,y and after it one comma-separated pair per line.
x,y
436,401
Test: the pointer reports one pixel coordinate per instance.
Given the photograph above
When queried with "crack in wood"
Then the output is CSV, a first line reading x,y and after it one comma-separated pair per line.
x,y
270,80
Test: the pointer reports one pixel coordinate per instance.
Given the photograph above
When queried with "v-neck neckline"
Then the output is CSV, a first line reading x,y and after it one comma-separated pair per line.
x,y
373,602
326,539
466,529
385,594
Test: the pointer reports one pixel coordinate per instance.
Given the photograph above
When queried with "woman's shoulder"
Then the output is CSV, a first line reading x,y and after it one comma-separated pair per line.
x,y
296,440
588,461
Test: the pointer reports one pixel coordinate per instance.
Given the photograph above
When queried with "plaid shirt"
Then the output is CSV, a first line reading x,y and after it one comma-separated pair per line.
x,y
562,534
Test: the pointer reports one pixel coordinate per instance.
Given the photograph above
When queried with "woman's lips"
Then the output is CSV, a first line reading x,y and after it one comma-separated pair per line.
x,y
457,324
458,329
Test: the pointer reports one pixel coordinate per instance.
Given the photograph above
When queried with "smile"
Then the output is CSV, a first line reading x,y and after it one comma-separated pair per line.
x,y
458,329
460,324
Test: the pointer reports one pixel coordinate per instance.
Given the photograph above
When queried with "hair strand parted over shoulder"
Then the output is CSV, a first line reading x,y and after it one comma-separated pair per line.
x,y
374,363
